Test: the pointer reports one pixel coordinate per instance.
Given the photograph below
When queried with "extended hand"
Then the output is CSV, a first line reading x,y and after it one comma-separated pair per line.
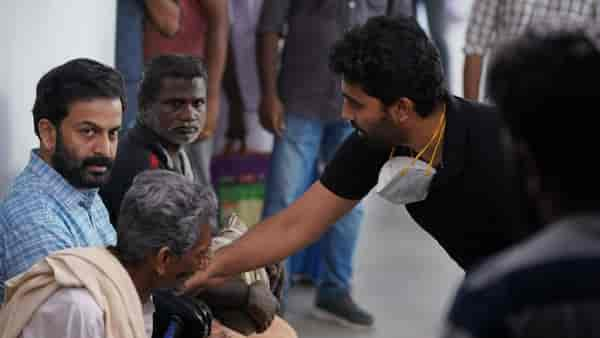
x,y
277,277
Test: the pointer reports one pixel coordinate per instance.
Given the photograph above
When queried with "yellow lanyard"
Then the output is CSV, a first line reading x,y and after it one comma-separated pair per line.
x,y
438,135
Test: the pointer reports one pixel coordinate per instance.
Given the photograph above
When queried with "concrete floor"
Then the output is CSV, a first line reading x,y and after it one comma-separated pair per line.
x,y
402,276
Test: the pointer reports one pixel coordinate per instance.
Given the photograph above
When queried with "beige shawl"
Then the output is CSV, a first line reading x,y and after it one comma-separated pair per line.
x,y
94,269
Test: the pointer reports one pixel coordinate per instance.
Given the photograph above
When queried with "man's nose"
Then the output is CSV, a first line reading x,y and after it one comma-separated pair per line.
x,y
346,114
103,145
188,113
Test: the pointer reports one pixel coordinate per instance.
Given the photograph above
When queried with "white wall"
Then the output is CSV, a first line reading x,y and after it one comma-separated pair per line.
x,y
36,35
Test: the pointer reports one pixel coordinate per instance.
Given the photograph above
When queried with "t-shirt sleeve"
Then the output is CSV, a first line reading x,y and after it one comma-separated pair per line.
x,y
354,170
68,313
273,16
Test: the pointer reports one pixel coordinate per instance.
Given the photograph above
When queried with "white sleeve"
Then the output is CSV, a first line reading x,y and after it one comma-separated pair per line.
x,y
68,313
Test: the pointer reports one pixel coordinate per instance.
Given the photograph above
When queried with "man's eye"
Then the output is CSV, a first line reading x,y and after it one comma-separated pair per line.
x,y
175,104
198,104
113,134
351,104
87,132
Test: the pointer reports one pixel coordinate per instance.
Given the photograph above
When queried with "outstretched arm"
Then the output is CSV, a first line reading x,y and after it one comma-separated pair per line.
x,y
277,237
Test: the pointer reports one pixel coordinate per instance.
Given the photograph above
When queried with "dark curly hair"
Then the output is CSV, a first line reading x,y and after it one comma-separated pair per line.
x,y
78,79
391,58
545,85
164,66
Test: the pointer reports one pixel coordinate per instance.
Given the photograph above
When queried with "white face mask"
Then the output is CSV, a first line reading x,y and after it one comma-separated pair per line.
x,y
403,179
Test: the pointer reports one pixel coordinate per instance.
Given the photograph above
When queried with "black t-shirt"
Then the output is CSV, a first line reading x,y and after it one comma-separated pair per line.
x,y
473,208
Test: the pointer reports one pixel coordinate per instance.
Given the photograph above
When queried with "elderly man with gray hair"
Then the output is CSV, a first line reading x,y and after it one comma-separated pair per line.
x,y
163,237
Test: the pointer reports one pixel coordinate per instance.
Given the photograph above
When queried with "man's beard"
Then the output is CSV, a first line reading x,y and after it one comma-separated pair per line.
x,y
75,171
371,137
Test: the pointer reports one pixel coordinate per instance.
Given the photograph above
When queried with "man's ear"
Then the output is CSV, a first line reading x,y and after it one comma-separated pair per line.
x,y
401,110
48,134
162,259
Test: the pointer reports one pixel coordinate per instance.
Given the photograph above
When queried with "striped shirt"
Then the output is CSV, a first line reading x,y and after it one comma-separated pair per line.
x,y
493,21
43,213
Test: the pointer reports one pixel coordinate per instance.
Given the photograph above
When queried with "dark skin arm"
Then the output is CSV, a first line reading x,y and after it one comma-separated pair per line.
x,y
236,130
216,54
270,108
164,15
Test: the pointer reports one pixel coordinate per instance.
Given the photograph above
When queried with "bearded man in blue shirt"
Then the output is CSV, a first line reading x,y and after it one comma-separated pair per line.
x,y
53,204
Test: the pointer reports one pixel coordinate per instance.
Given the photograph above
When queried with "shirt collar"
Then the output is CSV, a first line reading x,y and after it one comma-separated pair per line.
x,y
148,137
57,186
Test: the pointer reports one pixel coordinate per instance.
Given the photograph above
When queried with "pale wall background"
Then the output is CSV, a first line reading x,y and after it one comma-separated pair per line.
x,y
35,36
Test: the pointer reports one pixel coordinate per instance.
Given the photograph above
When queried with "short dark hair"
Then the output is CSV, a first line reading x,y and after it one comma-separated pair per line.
x,y
543,83
167,66
78,79
391,58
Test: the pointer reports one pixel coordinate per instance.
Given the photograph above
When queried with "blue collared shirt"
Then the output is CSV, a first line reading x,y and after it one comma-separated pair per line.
x,y
43,213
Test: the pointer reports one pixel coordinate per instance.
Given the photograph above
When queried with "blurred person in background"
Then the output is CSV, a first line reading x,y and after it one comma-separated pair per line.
x,y
546,286
132,15
300,104
492,22
240,128
438,20
203,33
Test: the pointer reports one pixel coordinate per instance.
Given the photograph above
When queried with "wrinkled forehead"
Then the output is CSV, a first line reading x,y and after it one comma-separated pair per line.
x,y
183,87
100,111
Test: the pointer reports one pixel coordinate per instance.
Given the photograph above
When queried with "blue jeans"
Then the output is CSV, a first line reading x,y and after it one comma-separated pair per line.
x,y
294,168
130,114
437,18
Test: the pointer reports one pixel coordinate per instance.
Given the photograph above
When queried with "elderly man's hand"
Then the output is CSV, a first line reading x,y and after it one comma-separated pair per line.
x,y
277,277
262,305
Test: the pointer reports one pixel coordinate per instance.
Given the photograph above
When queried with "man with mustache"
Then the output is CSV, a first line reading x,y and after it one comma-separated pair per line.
x,y
172,113
54,204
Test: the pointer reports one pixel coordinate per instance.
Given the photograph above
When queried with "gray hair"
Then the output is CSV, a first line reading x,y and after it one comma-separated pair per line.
x,y
162,209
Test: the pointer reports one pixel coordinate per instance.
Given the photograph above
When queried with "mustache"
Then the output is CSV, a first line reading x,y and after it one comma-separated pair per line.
x,y
102,161
187,124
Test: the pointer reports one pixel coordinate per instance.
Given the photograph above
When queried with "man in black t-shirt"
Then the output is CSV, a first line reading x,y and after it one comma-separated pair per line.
x,y
459,190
